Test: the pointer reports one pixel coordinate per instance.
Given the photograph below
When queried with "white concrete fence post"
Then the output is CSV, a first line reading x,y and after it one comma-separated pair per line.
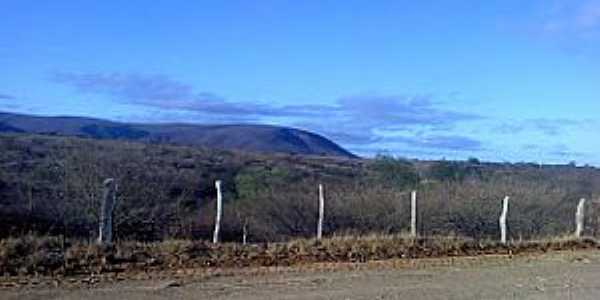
x,y
108,204
245,232
321,213
219,212
413,214
502,220
579,217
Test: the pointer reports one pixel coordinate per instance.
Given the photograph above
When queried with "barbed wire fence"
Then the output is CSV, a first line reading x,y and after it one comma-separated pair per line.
x,y
413,224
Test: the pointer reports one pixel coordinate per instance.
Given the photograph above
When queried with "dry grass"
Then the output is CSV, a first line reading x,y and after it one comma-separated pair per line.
x,y
51,257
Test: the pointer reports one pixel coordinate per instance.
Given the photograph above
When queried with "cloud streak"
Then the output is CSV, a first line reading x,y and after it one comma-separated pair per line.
x,y
442,142
6,97
556,151
367,122
162,92
546,126
354,120
448,142
156,91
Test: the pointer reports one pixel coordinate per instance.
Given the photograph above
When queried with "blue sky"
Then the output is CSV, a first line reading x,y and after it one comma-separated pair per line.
x,y
506,81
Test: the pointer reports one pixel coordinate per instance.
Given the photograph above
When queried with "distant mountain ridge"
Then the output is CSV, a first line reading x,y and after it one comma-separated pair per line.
x,y
255,138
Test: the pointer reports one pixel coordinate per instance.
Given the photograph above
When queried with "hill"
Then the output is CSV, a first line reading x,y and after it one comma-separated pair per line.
x,y
254,138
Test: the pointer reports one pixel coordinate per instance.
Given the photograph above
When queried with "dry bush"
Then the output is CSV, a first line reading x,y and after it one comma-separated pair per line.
x,y
471,208
30,255
44,256
51,185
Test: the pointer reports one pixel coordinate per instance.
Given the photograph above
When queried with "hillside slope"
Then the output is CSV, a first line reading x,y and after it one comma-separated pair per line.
x,y
255,138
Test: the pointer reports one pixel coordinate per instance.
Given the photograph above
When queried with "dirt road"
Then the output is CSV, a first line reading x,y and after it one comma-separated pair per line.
x,y
558,275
